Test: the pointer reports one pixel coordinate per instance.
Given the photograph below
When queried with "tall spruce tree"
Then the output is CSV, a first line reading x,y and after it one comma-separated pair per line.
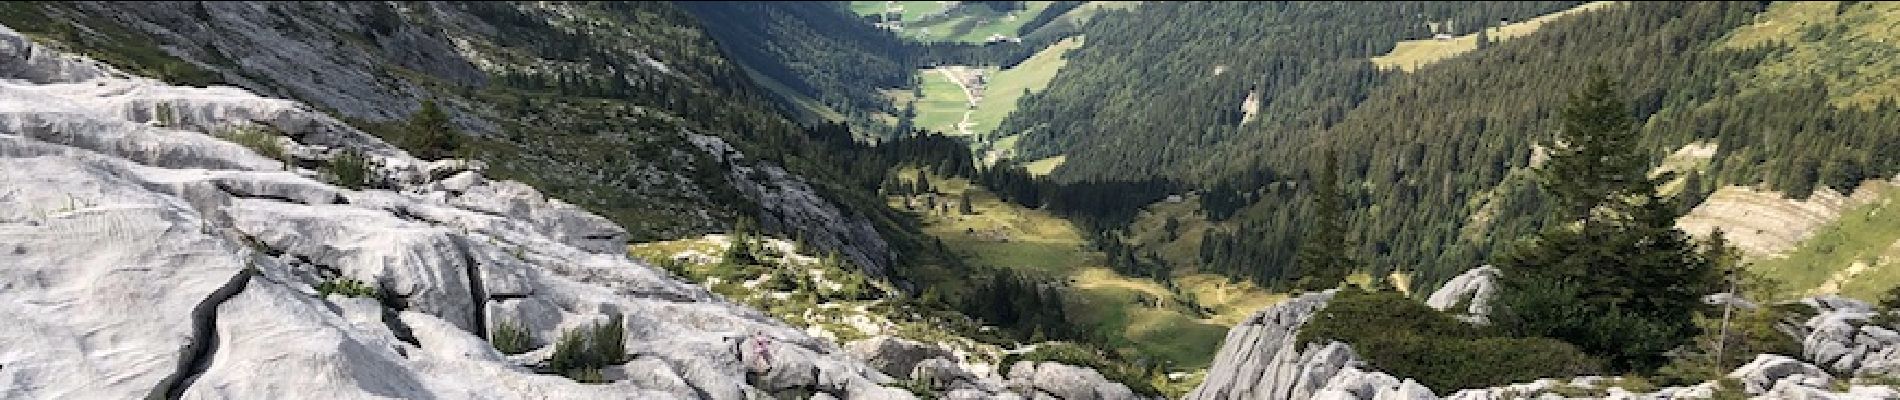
x,y
1323,258
1593,159
1612,274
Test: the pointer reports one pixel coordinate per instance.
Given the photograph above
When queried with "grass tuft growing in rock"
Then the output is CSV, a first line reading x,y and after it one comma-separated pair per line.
x,y
348,170
582,352
510,338
261,140
346,286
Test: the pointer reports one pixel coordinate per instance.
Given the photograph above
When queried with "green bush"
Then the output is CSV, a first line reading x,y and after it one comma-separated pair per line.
x,y
1885,309
348,170
581,352
511,338
1750,332
1403,337
261,140
918,387
346,286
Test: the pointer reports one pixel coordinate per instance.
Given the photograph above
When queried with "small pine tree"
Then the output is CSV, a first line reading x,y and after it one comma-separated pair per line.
x,y
739,250
923,183
348,169
963,205
433,133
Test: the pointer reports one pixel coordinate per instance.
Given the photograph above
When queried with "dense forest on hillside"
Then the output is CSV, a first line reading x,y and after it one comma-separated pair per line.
x,y
1152,94
818,50
1437,191
1434,162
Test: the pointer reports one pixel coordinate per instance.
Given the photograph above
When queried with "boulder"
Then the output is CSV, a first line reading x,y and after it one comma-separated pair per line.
x,y
1064,382
1259,358
1768,370
894,356
1475,288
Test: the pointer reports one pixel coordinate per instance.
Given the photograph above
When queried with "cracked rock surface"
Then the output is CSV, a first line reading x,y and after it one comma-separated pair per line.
x,y
125,215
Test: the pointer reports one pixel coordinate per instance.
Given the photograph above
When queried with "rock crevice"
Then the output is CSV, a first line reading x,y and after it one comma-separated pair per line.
x,y
196,356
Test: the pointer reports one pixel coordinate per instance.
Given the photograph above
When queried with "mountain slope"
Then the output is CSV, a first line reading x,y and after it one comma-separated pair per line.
x,y
122,197
1439,156
1150,86
274,251
592,103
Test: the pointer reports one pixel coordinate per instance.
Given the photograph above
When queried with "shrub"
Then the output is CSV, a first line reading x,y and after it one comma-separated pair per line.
x,y
348,170
1750,332
918,387
346,286
162,112
1885,309
1403,337
260,140
581,352
511,338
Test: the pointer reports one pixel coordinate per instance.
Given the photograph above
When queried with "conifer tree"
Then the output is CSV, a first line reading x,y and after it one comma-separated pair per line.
x,y
433,134
1323,260
1612,275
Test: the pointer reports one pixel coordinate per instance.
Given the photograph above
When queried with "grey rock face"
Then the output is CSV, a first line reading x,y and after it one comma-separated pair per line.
x,y
792,204
361,60
1841,338
128,238
1475,287
1768,370
1065,382
1260,360
895,356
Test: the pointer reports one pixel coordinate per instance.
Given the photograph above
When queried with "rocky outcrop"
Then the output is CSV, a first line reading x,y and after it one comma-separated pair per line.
x,y
378,62
116,224
790,204
1841,338
1040,380
1261,359
937,368
1474,289
895,356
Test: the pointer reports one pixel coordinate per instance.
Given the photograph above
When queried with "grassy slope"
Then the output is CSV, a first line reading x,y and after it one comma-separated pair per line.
x,y
1858,255
804,108
912,9
1851,49
1144,314
1007,86
968,24
1412,54
1230,300
942,104
1081,14
842,319
1045,165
